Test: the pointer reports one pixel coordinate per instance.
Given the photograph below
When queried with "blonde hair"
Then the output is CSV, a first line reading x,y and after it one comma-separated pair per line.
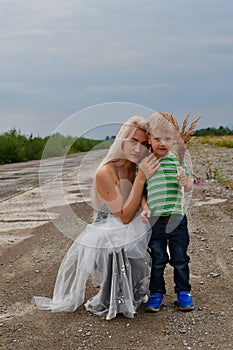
x,y
168,122
160,121
116,152
128,128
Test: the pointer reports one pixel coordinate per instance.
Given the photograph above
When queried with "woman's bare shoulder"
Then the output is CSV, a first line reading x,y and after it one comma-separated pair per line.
x,y
106,180
106,170
106,176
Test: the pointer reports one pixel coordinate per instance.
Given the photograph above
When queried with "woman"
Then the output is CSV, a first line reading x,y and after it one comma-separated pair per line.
x,y
113,249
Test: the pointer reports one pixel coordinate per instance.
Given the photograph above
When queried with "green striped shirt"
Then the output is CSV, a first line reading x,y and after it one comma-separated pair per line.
x,y
163,190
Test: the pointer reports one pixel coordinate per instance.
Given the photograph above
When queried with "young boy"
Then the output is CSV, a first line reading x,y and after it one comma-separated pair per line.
x,y
166,216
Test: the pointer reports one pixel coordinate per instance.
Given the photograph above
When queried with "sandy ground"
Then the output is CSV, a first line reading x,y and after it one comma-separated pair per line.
x,y
32,247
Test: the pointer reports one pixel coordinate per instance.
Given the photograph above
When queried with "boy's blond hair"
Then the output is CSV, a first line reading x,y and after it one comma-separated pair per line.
x,y
161,120
185,132
166,121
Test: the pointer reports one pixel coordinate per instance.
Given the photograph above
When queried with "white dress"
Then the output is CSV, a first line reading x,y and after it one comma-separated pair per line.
x,y
115,256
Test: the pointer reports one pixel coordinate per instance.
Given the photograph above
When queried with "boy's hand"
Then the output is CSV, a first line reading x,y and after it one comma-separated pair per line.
x,y
184,180
145,214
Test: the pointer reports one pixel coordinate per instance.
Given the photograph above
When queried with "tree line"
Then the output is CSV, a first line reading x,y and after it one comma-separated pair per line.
x,y
221,131
15,147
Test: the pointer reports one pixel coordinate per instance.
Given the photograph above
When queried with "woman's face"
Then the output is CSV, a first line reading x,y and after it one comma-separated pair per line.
x,y
136,147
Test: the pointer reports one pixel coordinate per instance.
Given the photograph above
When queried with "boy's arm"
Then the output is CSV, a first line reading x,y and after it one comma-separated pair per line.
x,y
146,212
189,185
185,181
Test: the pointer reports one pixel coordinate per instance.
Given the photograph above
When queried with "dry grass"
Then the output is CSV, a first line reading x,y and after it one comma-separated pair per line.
x,y
216,141
212,158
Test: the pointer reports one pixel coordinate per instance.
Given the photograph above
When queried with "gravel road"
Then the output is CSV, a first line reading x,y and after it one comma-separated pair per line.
x,y
32,247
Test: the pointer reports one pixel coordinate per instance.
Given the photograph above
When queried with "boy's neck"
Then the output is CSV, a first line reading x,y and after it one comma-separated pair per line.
x,y
165,155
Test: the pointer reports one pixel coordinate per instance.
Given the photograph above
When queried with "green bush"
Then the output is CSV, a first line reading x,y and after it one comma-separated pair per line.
x,y
82,144
15,147
221,131
12,147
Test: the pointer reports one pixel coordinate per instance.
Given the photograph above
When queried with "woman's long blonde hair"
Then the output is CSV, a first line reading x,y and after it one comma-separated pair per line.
x,y
116,152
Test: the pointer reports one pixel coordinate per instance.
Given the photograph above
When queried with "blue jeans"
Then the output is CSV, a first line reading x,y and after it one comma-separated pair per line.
x,y
172,232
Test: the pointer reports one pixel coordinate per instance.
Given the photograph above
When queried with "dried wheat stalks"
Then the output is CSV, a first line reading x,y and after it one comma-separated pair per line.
x,y
186,134
171,119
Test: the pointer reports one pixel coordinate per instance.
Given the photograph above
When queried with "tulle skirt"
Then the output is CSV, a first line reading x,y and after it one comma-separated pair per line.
x,y
115,257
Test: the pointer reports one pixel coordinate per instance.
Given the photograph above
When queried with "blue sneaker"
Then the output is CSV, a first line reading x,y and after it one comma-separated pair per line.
x,y
185,301
154,302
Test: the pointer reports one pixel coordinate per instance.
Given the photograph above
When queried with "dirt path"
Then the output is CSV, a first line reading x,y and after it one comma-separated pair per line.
x,y
29,267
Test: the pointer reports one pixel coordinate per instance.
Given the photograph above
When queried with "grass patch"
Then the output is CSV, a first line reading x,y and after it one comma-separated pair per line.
x,y
221,179
216,141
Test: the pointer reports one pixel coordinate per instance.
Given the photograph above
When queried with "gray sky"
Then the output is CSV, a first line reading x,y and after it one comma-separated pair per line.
x,y
61,57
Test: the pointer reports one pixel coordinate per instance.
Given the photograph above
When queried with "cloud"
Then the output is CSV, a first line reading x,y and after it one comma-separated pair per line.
x,y
125,89
221,47
58,57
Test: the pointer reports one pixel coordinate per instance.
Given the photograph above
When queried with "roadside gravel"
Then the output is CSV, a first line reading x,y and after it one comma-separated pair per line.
x,y
29,267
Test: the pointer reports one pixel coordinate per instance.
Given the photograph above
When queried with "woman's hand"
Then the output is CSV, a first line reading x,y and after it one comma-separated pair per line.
x,y
148,166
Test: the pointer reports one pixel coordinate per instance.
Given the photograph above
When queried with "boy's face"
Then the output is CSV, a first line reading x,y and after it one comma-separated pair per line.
x,y
161,142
